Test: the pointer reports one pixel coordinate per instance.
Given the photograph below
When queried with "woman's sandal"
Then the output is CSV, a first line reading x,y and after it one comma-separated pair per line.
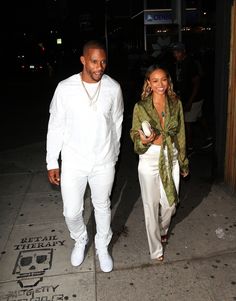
x,y
160,258
164,239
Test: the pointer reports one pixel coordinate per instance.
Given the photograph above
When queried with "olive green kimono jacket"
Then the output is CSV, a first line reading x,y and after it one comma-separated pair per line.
x,y
172,133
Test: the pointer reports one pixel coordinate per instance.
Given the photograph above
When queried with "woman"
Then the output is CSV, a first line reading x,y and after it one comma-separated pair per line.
x,y
162,155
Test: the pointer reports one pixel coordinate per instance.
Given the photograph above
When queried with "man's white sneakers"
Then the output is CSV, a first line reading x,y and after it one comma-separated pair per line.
x,y
77,255
105,260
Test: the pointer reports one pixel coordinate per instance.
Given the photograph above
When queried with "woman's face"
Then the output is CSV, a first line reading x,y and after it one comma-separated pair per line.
x,y
158,82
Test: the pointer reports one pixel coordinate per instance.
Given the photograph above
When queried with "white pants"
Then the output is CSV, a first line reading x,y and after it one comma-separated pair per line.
x,y
157,210
73,185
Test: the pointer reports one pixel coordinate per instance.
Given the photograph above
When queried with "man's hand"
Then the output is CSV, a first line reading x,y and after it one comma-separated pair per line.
x,y
54,176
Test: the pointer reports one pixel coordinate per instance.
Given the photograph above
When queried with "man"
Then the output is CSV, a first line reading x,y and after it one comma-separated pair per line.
x,y
86,115
187,85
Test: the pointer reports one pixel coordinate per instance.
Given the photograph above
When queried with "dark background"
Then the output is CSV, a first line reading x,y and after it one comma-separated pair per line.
x,y
30,29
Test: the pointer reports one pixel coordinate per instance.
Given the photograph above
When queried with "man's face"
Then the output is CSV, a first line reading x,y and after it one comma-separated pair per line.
x,y
179,55
94,62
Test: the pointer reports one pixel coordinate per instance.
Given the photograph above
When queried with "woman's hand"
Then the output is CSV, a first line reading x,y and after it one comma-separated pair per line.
x,y
184,173
147,140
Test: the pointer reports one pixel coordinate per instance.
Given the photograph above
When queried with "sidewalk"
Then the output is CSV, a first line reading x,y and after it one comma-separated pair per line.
x,y
35,247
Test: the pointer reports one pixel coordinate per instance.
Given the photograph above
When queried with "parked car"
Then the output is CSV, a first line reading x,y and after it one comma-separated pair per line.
x,y
31,60
30,66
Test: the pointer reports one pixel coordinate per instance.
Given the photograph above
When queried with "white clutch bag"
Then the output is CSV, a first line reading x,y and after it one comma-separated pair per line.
x,y
146,128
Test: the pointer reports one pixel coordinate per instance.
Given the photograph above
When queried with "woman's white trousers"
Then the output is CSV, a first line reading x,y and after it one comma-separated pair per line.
x,y
157,210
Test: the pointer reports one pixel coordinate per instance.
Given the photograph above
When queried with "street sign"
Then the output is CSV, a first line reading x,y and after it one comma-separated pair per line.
x,y
158,16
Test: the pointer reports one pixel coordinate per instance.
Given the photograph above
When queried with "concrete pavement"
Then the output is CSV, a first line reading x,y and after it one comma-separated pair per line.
x,y
35,247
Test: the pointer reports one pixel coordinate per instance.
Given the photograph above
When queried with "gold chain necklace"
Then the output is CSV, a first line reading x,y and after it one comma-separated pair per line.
x,y
93,99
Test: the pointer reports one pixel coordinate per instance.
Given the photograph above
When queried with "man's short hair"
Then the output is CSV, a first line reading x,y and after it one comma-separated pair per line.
x,y
93,44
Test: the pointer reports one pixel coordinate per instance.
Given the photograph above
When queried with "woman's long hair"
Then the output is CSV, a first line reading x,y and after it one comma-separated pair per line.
x,y
146,87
